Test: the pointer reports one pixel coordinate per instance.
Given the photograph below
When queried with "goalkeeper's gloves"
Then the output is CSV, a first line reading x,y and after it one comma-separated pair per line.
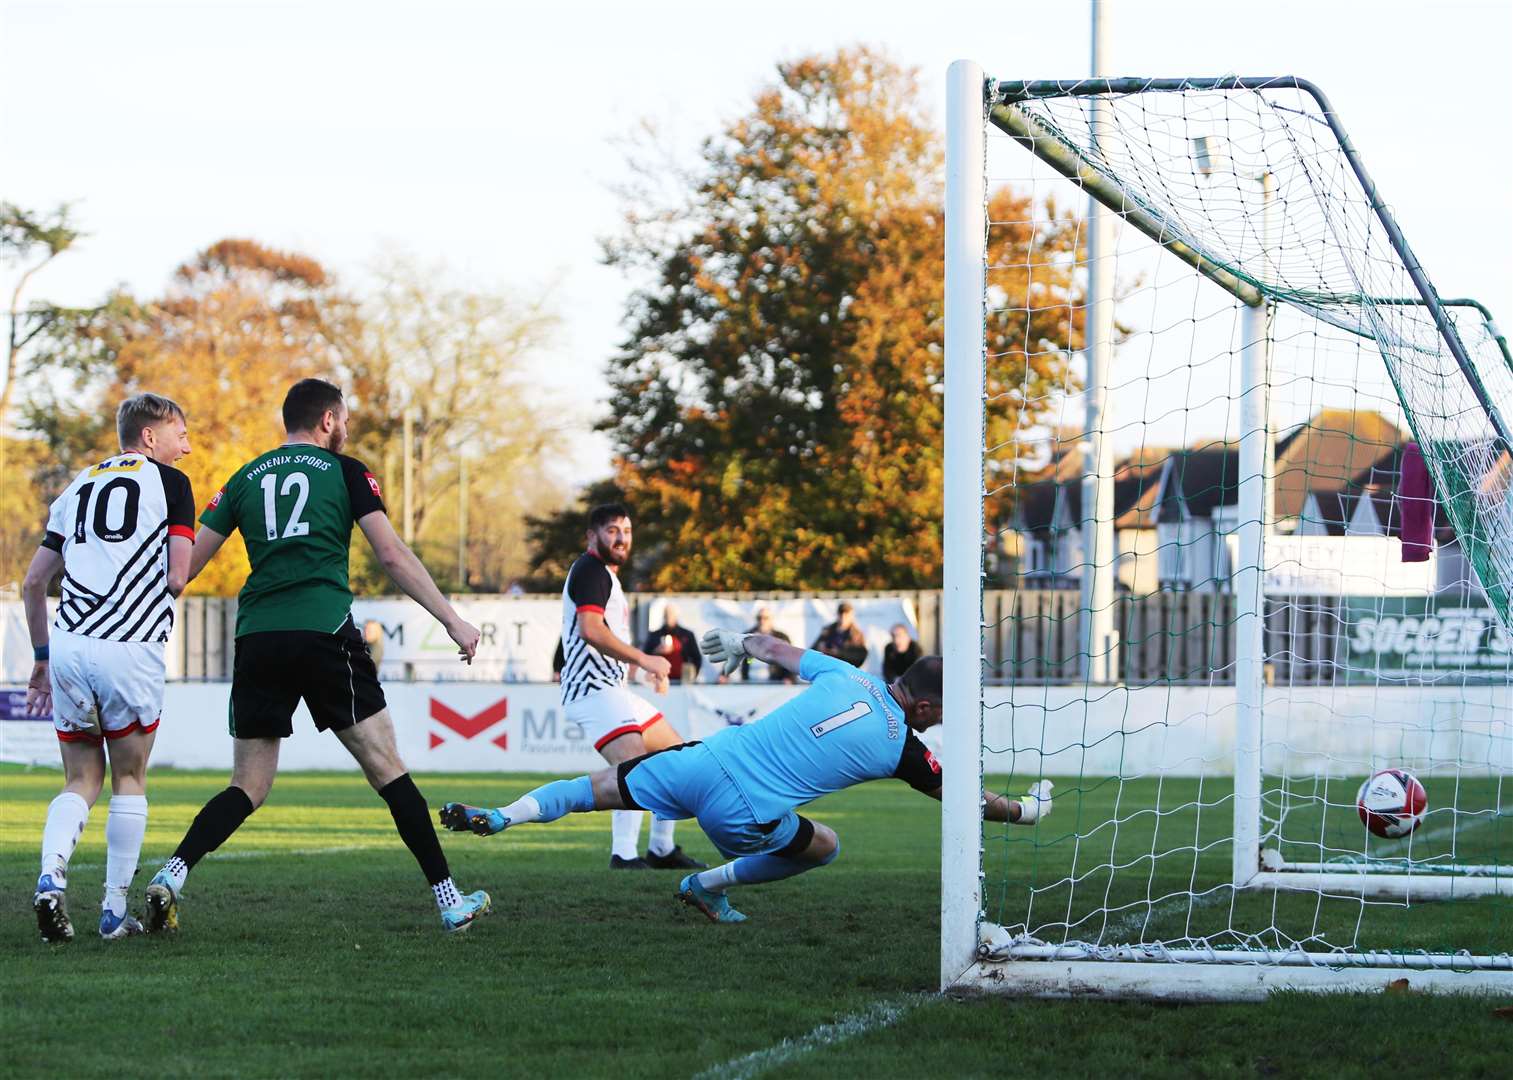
x,y
1035,803
724,647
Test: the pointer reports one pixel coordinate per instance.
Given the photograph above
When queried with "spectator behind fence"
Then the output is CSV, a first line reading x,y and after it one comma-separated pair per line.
x,y
774,673
678,645
899,653
373,637
843,639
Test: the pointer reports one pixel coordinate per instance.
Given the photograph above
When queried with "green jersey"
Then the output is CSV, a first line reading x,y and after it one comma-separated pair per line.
x,y
296,507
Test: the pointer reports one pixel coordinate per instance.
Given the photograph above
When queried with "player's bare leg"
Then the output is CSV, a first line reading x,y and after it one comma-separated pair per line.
x,y
124,828
254,764
662,853
372,743
706,891
83,777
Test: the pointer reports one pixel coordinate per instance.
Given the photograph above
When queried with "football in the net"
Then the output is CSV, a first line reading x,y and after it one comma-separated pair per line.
x,y
1392,803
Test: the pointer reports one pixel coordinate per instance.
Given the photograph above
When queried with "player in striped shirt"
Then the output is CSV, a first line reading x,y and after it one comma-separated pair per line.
x,y
122,534
597,655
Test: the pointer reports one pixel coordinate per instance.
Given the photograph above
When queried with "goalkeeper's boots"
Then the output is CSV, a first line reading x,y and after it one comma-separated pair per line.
x,y
162,904
715,906
676,859
460,817
114,927
52,912
460,915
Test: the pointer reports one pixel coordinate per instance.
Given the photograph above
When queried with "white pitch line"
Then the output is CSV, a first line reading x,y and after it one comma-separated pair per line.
x,y
874,1017
1136,920
259,853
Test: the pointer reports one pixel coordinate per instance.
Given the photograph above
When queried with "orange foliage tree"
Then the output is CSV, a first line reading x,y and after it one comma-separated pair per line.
x,y
237,325
777,405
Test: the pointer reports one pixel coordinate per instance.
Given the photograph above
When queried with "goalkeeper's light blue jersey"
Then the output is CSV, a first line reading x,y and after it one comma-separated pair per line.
x,y
844,729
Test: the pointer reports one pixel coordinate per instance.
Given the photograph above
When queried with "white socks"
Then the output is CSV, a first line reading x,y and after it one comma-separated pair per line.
x,y
522,811
124,830
177,870
65,821
660,842
719,878
625,833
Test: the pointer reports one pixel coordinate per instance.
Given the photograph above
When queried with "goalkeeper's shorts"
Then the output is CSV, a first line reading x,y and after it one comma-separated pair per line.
x,y
688,781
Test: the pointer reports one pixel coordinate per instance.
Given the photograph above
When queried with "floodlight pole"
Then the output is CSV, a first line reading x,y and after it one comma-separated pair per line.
x,y
1098,641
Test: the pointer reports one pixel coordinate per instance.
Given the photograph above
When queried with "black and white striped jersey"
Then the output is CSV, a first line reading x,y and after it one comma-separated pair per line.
x,y
591,586
112,526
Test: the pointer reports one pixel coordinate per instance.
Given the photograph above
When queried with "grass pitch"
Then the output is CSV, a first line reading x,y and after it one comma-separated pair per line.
x,y
310,947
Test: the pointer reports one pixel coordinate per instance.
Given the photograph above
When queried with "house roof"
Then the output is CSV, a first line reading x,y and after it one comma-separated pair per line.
x,y
1136,481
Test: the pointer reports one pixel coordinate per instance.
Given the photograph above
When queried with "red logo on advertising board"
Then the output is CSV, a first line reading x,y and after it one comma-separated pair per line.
x,y
470,727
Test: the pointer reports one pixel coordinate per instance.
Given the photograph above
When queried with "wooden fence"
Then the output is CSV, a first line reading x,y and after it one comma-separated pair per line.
x,y
1029,636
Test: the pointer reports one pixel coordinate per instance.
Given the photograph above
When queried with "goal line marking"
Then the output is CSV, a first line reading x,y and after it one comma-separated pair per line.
x,y
875,1017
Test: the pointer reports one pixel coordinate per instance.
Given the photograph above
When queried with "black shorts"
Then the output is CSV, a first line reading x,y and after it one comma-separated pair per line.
x,y
333,673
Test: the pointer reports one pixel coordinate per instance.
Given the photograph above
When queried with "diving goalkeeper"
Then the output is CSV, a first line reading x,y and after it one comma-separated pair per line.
x,y
744,784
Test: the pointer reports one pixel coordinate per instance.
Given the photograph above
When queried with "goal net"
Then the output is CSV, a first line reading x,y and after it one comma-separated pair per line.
x,y
1219,548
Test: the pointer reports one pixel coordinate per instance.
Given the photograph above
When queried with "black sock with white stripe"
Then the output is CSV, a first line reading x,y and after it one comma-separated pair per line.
x,y
213,825
413,820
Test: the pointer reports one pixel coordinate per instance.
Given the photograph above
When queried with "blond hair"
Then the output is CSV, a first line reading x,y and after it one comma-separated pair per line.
x,y
143,411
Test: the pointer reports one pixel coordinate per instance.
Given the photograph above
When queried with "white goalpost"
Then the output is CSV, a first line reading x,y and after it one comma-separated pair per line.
x,y
1187,573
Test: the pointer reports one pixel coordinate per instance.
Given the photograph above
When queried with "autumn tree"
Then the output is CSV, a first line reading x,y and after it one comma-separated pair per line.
x,y
777,405
457,359
238,323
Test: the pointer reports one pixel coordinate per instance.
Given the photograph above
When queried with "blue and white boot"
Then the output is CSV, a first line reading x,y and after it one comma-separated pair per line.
x,y
52,912
715,905
460,817
460,915
113,927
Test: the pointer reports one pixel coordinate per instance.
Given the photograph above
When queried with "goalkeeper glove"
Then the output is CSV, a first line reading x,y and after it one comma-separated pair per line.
x,y
724,647
1035,803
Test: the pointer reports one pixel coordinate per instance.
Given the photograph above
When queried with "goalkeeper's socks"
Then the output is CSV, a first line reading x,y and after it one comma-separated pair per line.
x,y
755,869
552,801
211,828
718,878
413,820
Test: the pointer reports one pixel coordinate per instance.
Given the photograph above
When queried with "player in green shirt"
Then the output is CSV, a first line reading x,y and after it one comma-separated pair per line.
x,y
295,638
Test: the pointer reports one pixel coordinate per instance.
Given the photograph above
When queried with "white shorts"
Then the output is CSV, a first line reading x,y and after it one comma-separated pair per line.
x,y
120,681
608,714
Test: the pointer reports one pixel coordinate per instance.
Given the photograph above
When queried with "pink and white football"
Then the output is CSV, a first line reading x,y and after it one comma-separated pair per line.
x,y
1392,803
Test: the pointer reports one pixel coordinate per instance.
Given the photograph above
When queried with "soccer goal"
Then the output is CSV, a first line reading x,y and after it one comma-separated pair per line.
x,y
1218,550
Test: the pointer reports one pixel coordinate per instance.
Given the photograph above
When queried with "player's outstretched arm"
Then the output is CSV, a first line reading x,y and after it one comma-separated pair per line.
x,y
206,543
1029,808
412,577
45,565
728,648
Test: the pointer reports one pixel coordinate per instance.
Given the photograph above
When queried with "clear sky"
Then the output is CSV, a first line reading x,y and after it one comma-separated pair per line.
x,y
485,134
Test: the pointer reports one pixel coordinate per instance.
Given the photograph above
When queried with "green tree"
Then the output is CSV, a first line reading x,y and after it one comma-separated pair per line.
x,y
777,406
28,242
